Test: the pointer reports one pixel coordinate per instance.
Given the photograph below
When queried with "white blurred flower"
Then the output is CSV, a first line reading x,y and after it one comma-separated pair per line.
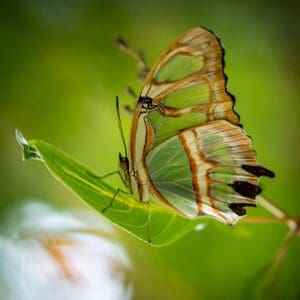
x,y
49,254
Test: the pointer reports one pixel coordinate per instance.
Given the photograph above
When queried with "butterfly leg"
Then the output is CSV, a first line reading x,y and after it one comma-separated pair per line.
x,y
148,222
108,175
139,57
131,93
104,176
128,108
113,198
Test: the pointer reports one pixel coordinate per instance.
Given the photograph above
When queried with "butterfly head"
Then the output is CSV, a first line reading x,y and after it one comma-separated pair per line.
x,y
124,168
146,104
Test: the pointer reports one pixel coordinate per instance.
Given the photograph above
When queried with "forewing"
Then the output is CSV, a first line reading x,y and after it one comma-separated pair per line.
x,y
188,84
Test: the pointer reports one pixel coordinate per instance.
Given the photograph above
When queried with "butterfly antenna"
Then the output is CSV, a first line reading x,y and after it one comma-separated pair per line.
x,y
120,125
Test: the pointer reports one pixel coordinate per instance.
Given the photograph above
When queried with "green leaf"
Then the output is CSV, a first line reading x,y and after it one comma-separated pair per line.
x,y
130,214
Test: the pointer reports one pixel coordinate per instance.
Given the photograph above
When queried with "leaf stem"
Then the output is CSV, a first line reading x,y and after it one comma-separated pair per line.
x,y
270,207
279,216
285,246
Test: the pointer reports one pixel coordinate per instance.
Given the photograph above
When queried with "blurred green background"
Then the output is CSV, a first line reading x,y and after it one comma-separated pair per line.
x,y
60,73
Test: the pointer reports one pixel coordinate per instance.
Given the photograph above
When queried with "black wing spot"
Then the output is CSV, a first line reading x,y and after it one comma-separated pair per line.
x,y
258,171
246,189
239,208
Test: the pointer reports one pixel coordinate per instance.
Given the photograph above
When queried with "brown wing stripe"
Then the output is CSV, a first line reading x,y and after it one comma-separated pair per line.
x,y
194,172
208,181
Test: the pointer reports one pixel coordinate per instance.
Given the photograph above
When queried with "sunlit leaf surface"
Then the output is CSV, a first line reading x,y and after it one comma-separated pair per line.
x,y
165,226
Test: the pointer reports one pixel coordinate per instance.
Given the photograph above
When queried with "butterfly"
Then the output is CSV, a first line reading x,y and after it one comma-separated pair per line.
x,y
187,148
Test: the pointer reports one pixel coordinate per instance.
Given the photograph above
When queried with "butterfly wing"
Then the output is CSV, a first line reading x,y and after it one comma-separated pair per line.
x,y
205,170
188,84
187,149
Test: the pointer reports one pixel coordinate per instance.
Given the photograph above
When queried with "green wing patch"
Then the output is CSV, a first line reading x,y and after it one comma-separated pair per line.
x,y
170,172
179,67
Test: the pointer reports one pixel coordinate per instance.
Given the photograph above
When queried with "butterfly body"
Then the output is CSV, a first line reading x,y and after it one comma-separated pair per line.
x,y
187,148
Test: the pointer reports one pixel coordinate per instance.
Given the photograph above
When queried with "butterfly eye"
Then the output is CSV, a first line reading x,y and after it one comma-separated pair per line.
x,y
147,103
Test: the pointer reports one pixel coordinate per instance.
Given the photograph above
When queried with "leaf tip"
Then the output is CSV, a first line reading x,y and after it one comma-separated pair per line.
x,y
20,139
28,151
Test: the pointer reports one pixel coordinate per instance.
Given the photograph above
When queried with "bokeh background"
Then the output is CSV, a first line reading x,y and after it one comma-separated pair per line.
x,y
60,73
